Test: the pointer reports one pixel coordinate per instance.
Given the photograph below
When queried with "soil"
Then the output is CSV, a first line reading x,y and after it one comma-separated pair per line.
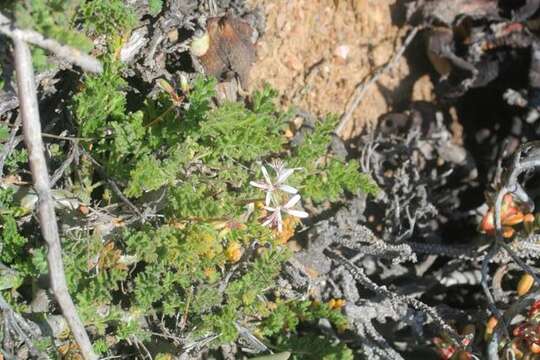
x,y
316,52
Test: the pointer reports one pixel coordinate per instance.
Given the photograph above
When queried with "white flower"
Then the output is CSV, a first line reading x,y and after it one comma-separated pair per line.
x,y
275,219
269,186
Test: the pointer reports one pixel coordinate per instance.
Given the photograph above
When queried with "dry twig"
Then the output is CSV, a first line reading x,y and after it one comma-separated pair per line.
x,y
47,217
362,88
114,187
8,102
20,327
86,62
9,146
359,275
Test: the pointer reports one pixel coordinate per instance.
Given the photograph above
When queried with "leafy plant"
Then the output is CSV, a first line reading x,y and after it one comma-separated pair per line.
x,y
54,19
155,6
199,252
202,159
108,17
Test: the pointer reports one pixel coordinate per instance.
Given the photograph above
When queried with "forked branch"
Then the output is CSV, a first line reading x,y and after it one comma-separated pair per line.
x,y
86,62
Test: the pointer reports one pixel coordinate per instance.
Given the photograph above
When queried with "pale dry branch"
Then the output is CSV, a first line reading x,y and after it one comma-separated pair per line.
x,y
359,275
29,112
114,187
17,324
73,154
362,88
86,62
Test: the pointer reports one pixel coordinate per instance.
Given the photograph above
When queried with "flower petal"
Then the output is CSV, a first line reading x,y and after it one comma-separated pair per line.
x,y
266,176
259,185
287,188
277,165
283,175
279,221
268,198
269,219
297,213
292,201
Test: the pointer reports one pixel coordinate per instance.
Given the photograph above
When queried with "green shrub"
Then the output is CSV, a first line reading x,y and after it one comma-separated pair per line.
x,y
201,256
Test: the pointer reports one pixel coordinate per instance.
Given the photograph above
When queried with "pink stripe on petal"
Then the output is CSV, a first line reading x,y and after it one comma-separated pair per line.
x,y
270,219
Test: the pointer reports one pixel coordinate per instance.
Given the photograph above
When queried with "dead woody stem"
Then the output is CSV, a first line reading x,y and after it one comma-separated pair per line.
x,y
47,218
86,62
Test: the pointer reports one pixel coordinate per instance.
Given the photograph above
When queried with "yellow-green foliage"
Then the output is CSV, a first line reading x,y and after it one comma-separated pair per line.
x,y
53,18
202,160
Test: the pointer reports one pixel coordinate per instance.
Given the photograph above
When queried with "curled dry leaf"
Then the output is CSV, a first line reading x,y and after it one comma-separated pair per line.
x,y
231,50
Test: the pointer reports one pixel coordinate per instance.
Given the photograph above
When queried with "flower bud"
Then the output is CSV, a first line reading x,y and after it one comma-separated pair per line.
x,y
534,348
490,327
507,232
525,284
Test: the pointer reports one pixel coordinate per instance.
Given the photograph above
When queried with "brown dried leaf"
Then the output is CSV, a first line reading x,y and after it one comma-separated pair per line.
x,y
231,49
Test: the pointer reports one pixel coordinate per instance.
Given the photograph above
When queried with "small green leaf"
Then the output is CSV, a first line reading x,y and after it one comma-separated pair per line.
x,y
154,7
4,132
